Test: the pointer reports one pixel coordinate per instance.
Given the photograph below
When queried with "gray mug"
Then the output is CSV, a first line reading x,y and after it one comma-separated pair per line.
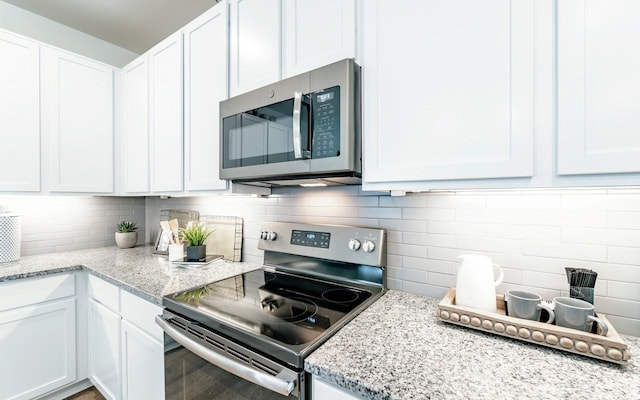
x,y
526,305
577,314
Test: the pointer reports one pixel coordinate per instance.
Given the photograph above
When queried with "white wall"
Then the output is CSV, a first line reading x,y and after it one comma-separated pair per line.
x,y
34,26
52,224
533,235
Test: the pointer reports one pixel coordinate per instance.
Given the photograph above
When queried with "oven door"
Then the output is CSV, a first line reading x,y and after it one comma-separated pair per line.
x,y
200,364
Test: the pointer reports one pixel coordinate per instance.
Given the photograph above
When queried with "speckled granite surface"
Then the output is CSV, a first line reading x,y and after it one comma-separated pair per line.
x,y
397,349
136,270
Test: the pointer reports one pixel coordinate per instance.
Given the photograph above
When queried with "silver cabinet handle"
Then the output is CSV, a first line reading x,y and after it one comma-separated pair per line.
x,y
297,141
281,386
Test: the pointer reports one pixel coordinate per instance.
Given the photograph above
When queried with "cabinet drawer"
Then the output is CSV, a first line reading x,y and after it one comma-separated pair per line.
x,y
29,291
141,313
104,293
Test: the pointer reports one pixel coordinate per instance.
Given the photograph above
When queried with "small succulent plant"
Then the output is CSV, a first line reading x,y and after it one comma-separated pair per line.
x,y
196,234
127,226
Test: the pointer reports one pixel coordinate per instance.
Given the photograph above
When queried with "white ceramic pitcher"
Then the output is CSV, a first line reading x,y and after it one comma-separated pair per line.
x,y
475,286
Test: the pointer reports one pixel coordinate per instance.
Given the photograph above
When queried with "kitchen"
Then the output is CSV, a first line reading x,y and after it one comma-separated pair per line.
x,y
533,233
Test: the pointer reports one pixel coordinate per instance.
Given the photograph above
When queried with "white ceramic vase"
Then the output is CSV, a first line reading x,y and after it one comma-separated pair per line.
x,y
125,240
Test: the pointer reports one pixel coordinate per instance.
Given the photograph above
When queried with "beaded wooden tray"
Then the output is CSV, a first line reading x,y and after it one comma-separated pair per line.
x,y
608,348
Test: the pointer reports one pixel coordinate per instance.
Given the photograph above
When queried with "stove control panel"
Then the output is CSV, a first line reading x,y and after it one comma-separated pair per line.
x,y
332,242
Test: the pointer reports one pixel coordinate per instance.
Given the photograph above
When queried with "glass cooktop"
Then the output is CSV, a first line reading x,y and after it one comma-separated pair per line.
x,y
289,309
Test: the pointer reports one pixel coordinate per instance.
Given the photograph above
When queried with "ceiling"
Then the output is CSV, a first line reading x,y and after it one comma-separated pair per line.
x,y
135,25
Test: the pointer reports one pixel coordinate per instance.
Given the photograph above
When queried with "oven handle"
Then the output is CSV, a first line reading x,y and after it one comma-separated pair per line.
x,y
282,386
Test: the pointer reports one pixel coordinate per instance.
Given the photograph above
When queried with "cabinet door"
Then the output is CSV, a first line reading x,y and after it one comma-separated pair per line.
x,y
321,389
38,348
79,123
142,364
205,80
448,90
317,33
136,126
19,114
598,86
104,349
254,44
165,61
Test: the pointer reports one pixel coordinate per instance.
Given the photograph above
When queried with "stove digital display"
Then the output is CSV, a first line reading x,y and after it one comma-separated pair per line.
x,y
310,239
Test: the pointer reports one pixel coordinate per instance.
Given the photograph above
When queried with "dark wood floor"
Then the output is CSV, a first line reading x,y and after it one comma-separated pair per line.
x,y
87,394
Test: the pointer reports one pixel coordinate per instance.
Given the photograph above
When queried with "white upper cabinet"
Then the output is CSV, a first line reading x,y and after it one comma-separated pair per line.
x,y
78,118
317,33
254,44
165,110
598,86
135,151
448,91
205,85
19,114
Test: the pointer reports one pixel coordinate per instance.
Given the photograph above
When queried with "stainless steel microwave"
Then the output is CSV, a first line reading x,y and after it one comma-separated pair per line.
x,y
301,130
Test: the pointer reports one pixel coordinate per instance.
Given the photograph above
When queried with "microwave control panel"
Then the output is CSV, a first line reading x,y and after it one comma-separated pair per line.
x,y
326,123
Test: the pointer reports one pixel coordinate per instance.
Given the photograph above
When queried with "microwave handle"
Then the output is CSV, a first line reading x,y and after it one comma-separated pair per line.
x,y
297,117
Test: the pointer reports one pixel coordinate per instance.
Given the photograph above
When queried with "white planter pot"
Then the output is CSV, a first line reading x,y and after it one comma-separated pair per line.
x,y
125,240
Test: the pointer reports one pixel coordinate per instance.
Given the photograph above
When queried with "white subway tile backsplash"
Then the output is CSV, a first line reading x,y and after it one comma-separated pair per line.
x,y
572,234
496,216
620,307
429,239
584,202
416,201
565,250
624,290
536,202
404,225
624,255
550,281
407,274
488,244
430,214
444,280
532,234
389,213
407,249
624,220
623,237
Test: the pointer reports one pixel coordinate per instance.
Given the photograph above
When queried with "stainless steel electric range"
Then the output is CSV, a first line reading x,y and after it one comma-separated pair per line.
x,y
247,337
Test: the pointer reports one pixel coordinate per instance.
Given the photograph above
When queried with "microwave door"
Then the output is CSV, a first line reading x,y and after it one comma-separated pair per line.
x,y
260,142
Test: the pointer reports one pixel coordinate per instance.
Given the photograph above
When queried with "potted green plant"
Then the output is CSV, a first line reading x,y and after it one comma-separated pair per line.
x,y
195,237
126,236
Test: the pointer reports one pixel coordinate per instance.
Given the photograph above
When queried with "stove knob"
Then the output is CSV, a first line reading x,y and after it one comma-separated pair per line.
x,y
263,235
354,244
368,246
272,236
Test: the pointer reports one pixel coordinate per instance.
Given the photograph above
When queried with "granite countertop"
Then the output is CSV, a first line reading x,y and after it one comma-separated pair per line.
x,y
398,349
136,270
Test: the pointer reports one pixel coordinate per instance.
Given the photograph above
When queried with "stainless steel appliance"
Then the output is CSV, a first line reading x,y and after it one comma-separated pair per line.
x,y
258,327
304,129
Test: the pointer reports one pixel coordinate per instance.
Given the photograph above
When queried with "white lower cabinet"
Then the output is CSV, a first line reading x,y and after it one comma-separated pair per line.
x,y
104,349
37,336
321,389
126,348
142,364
